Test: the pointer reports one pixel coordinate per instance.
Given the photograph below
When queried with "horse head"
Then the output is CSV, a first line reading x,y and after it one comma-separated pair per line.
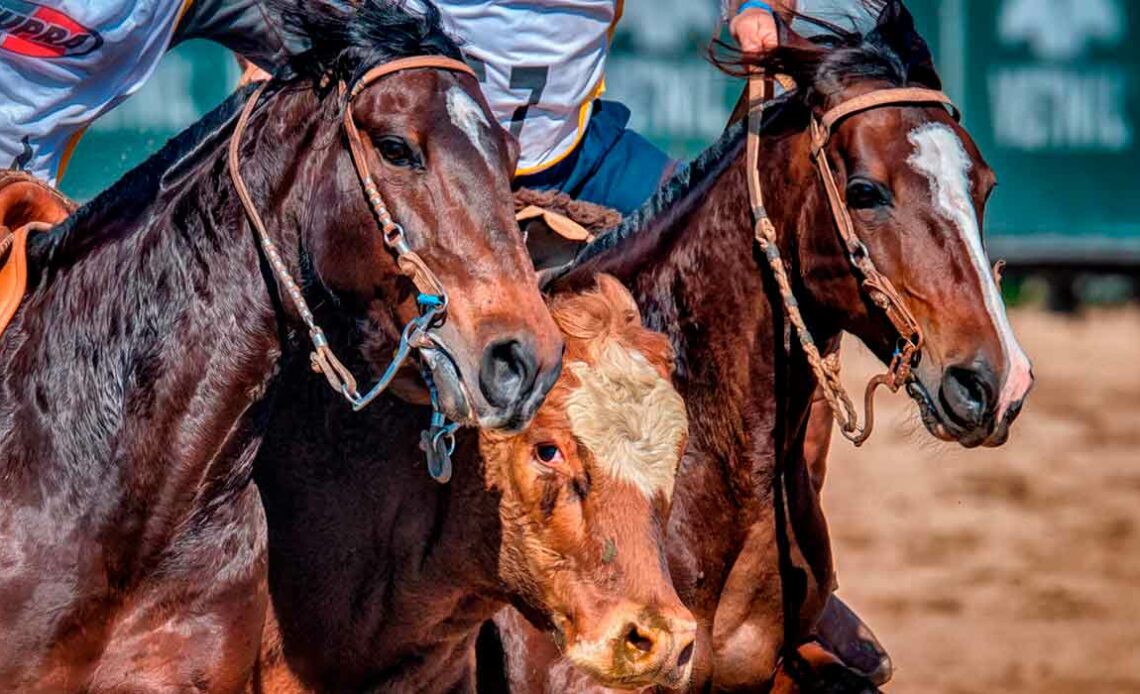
x,y
585,496
915,185
412,163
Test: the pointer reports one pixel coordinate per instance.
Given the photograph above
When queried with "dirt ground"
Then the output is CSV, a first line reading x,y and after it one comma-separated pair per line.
x,y
1007,570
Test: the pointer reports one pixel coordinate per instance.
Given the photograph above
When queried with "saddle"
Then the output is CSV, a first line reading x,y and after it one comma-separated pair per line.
x,y
556,226
27,206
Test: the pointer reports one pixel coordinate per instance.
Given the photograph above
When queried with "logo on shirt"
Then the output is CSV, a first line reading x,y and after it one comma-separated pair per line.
x,y
42,32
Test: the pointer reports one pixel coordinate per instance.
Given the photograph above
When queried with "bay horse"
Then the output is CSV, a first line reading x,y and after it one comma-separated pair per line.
x,y
380,578
749,550
137,376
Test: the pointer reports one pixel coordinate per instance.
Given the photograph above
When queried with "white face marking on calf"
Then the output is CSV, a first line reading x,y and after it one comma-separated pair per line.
x,y
466,114
630,418
940,156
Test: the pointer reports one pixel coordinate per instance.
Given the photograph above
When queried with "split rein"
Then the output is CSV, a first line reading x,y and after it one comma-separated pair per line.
x,y
877,286
438,442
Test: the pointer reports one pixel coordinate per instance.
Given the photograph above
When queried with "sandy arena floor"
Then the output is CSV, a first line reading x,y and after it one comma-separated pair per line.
x,y
1008,570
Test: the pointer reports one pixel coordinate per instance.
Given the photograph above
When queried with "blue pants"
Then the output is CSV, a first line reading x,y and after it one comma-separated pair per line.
x,y
611,166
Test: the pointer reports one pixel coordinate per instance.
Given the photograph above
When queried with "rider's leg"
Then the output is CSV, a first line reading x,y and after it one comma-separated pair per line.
x,y
839,629
612,166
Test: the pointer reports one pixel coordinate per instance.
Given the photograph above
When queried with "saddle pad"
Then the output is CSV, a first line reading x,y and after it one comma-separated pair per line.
x,y
13,272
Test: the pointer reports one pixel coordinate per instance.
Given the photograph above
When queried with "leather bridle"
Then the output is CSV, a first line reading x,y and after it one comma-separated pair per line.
x,y
877,286
432,299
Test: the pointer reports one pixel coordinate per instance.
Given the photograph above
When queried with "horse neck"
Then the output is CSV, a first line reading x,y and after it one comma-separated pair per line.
x,y
347,497
699,280
146,341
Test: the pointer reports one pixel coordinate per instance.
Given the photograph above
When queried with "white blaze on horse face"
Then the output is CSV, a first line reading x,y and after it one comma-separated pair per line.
x,y
630,418
468,116
941,157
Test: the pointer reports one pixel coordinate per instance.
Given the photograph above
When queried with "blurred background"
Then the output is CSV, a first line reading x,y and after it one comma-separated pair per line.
x,y
1013,570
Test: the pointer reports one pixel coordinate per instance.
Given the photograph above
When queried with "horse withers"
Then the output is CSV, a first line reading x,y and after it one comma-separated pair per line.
x,y
137,374
380,578
749,547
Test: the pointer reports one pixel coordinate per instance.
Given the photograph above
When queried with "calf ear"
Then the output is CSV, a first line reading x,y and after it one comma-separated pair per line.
x,y
896,28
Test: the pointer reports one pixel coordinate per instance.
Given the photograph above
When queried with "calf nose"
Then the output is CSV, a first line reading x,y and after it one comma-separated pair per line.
x,y
967,395
507,372
659,650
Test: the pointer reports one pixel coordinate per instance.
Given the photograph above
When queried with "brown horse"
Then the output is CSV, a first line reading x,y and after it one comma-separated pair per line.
x,y
134,378
748,545
380,578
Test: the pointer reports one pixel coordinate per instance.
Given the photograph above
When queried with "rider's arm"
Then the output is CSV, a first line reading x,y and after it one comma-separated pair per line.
x,y
246,27
751,22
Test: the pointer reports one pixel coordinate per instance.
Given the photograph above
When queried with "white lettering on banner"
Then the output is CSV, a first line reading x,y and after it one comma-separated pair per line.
x,y
1060,103
1043,108
1061,29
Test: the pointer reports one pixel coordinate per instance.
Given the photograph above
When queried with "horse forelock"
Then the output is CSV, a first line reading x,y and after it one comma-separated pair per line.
x,y
347,39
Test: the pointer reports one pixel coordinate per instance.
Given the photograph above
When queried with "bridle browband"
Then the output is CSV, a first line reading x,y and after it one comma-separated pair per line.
x,y
877,286
432,299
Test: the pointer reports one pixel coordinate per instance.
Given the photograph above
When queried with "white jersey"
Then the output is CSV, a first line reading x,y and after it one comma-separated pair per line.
x,y
63,66
541,64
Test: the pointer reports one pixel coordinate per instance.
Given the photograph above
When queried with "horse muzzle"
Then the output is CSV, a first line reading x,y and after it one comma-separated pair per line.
x,y
510,382
969,408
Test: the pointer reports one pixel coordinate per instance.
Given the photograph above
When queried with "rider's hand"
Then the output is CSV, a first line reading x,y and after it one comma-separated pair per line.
x,y
755,30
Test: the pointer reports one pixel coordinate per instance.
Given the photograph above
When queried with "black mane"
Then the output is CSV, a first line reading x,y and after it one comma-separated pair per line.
x,y
347,38
823,65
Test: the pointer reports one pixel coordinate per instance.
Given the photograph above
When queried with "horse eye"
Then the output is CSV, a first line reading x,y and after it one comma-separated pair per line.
x,y
397,152
548,453
866,195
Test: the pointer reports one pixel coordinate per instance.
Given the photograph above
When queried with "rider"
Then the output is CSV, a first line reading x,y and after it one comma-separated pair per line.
x,y
63,66
543,70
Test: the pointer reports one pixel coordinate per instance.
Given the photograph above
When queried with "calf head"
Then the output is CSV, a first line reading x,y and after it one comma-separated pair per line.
x,y
585,494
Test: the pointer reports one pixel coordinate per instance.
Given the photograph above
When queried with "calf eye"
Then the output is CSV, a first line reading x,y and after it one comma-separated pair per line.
x,y
397,152
548,453
866,195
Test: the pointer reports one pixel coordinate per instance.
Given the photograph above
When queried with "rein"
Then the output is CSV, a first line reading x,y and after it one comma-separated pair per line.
x,y
877,286
432,301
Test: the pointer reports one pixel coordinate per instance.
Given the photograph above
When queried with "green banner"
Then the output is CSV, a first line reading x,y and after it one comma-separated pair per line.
x,y
191,80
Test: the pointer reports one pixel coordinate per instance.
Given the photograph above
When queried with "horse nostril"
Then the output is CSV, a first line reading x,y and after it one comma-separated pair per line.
x,y
639,640
507,373
967,395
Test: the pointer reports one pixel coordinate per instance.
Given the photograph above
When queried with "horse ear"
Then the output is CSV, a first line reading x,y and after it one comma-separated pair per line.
x,y
896,28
